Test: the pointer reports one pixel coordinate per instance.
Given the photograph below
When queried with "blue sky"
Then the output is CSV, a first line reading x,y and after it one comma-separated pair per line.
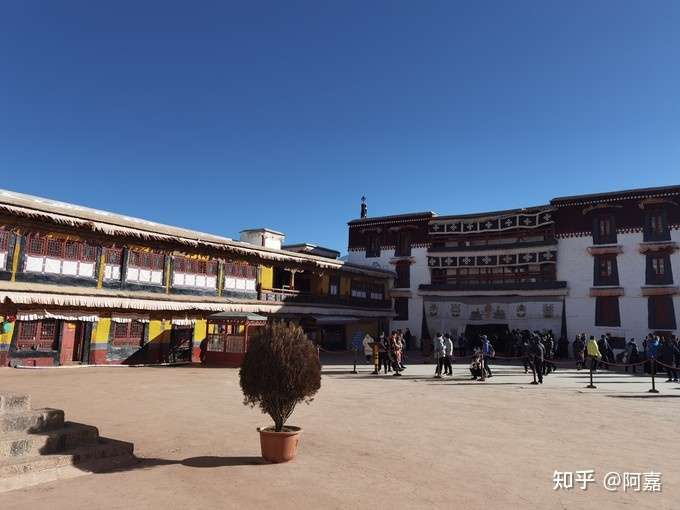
x,y
220,116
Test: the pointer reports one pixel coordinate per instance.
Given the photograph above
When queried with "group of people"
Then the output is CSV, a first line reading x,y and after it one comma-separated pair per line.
x,y
537,349
654,348
480,367
388,352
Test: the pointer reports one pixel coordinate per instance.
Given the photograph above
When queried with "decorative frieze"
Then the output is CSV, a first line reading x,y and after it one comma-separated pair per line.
x,y
492,224
511,259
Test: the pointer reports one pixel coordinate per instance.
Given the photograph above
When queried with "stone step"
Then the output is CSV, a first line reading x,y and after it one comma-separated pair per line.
x,y
37,420
71,435
12,402
105,455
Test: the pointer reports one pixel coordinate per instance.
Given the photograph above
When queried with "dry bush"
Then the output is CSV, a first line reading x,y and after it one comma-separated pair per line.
x,y
280,369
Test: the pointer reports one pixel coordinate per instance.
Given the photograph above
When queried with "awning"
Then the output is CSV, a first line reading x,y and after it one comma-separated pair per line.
x,y
38,315
244,316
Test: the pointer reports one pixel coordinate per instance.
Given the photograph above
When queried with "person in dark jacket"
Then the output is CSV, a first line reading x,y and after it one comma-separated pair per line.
x,y
667,355
632,354
537,356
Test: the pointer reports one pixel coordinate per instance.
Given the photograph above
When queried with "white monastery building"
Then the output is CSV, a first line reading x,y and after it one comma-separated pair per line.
x,y
596,264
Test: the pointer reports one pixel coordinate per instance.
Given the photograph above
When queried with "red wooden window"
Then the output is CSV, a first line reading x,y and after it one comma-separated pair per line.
x,y
37,335
60,248
4,240
128,333
193,266
607,311
661,313
240,270
113,256
146,260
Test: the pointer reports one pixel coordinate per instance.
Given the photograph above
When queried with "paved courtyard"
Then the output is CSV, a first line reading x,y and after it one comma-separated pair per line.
x,y
369,441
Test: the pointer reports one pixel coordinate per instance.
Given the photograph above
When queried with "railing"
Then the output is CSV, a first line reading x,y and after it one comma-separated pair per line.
x,y
296,296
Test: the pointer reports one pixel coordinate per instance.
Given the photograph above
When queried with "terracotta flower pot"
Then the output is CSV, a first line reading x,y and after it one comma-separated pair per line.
x,y
279,446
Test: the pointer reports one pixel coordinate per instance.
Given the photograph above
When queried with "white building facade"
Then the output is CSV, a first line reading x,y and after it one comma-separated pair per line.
x,y
594,264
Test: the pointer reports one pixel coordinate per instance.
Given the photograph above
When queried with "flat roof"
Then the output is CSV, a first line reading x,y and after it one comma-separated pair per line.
x,y
608,194
520,210
369,219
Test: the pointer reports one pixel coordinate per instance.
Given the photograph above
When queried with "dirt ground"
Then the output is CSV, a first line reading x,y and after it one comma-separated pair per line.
x,y
368,442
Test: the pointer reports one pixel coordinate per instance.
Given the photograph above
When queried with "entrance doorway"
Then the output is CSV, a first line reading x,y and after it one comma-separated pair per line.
x,y
81,342
498,334
181,340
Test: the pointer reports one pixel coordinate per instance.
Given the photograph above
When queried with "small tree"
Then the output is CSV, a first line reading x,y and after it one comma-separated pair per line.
x,y
280,369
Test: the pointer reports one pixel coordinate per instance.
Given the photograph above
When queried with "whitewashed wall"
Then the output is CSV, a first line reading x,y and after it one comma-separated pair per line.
x,y
575,266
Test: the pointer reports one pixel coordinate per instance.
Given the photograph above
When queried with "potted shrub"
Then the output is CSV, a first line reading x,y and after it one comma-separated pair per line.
x,y
280,369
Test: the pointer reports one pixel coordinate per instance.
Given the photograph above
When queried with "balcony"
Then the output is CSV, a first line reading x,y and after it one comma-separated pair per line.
x,y
299,297
488,281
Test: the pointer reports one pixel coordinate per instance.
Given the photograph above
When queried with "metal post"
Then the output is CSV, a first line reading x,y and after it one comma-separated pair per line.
x,y
653,390
355,362
591,385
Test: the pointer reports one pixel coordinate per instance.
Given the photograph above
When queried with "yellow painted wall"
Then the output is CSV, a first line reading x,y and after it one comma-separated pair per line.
x,y
200,331
6,338
266,277
100,333
159,330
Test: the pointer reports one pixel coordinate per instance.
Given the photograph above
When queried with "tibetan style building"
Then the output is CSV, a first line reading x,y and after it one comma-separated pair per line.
x,y
603,263
78,285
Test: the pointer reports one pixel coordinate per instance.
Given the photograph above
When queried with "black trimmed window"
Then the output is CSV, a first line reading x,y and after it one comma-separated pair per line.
x,y
128,334
403,270
4,239
607,311
372,245
661,312
659,270
604,229
359,290
606,271
656,226
401,308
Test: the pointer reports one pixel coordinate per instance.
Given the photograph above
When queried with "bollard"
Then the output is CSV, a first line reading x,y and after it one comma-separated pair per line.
x,y
653,390
354,371
591,385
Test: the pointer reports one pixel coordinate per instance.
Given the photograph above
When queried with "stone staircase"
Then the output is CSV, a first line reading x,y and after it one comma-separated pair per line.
x,y
38,446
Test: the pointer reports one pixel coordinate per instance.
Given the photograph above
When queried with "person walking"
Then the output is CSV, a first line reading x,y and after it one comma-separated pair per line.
x,y
580,351
384,353
375,355
394,353
593,352
537,356
438,354
488,353
448,355
368,350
